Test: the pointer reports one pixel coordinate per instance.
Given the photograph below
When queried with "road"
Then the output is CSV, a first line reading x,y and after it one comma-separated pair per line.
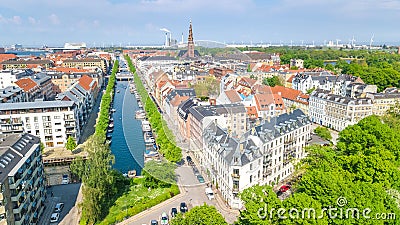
x,y
60,193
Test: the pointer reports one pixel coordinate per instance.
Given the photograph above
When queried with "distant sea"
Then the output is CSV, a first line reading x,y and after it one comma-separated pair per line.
x,y
28,53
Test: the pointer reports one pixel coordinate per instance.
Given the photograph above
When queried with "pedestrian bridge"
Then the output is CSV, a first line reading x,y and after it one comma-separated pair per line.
x,y
123,76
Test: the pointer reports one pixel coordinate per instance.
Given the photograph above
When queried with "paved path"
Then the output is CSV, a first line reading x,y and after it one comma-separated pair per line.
x,y
90,125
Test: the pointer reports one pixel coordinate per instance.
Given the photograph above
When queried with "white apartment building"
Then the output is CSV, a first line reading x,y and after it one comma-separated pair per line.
x,y
9,77
231,117
52,121
338,112
264,155
383,101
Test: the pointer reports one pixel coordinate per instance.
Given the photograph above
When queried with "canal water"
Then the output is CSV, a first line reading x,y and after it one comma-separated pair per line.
x,y
127,139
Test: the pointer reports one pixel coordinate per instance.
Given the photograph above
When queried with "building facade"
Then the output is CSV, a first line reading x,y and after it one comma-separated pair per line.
x,y
266,154
52,121
23,190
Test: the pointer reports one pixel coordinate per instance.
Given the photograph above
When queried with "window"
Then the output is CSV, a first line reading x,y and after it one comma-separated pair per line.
x,y
56,117
251,178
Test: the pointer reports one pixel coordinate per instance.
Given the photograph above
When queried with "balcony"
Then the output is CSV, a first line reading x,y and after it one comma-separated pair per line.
x,y
2,209
235,189
235,176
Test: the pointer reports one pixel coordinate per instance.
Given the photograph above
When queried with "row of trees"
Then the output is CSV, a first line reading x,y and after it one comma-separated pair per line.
x,y
103,120
101,184
361,173
164,137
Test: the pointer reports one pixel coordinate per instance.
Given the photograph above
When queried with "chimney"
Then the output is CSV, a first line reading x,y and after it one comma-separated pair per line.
x,y
280,93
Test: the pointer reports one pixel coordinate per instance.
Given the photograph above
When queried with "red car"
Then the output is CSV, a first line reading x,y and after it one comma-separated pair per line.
x,y
284,188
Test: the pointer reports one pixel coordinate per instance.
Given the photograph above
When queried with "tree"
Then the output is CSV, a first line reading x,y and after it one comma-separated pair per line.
x,y
71,144
41,147
97,177
272,81
200,215
323,132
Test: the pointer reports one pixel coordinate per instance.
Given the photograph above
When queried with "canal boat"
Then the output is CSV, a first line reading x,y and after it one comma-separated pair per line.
x,y
140,114
148,139
150,153
113,110
146,126
117,91
109,136
140,105
111,125
132,173
110,130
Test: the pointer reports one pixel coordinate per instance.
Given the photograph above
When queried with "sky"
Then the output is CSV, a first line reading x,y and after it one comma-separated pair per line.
x,y
138,22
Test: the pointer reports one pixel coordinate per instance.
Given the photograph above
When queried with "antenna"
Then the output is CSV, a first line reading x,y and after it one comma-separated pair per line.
x,y
372,40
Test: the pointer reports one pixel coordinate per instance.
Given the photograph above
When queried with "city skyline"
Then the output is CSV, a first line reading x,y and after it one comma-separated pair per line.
x,y
123,22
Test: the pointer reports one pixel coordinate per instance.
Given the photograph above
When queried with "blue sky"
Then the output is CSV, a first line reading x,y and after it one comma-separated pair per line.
x,y
52,22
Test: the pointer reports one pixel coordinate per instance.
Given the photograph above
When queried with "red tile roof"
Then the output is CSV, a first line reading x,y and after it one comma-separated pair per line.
x,y
68,70
264,100
27,84
252,112
291,94
233,96
4,57
87,83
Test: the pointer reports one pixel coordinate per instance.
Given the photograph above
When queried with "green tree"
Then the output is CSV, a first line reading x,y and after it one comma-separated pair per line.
x,y
272,81
97,177
41,147
71,143
200,215
323,132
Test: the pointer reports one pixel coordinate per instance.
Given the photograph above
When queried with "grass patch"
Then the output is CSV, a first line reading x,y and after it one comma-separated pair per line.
x,y
137,199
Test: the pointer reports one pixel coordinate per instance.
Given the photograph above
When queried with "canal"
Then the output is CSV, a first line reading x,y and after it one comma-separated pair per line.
x,y
127,139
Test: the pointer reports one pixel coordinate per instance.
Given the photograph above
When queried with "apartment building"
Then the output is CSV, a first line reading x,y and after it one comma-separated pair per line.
x,y
9,77
383,101
265,154
12,94
86,63
229,116
23,190
338,112
64,80
23,64
52,121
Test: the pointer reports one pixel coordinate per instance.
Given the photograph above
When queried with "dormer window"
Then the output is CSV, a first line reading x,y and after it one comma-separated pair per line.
x,y
235,159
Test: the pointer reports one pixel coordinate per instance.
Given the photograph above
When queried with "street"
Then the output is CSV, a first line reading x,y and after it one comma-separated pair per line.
x,y
66,194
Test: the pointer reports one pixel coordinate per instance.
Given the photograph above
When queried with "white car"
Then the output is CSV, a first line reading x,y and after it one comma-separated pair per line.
x,y
54,217
210,193
65,179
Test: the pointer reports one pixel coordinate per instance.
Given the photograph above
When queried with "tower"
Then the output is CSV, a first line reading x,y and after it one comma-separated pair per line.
x,y
190,51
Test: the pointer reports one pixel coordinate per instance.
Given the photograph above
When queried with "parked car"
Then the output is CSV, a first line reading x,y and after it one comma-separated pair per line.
x,y
65,179
183,207
196,171
189,160
284,188
200,178
59,207
153,222
54,217
174,211
209,193
164,219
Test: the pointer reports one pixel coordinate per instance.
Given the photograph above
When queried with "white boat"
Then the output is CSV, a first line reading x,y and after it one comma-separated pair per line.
x,y
140,105
113,110
148,139
149,153
117,91
146,126
111,125
132,173
140,114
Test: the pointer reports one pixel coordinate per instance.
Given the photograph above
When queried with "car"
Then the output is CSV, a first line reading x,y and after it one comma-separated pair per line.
x,y
189,160
200,178
59,207
174,211
65,179
183,207
209,193
196,171
284,188
164,219
54,217
153,222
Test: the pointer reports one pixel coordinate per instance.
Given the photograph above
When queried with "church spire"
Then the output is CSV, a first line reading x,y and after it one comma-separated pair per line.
x,y
190,51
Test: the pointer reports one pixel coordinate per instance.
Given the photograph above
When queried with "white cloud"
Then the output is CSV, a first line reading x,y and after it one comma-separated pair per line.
x,y
32,20
54,19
